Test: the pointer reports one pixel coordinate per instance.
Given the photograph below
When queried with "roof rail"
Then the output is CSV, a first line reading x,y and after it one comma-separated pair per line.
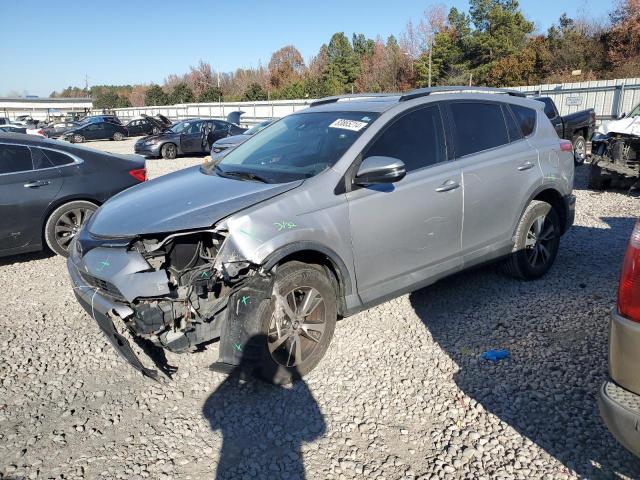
x,y
423,92
333,99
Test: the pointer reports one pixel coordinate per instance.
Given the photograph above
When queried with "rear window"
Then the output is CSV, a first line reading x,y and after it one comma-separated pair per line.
x,y
15,158
512,126
526,118
58,158
478,127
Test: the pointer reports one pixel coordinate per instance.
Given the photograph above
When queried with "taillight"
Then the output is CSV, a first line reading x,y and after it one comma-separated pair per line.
x,y
40,132
629,290
139,174
566,146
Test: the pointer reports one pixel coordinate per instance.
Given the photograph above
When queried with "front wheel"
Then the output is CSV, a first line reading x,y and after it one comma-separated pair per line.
x,y
65,223
537,242
297,325
118,136
579,149
169,151
77,138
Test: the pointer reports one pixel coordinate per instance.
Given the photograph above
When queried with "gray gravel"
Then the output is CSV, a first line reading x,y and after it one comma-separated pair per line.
x,y
401,393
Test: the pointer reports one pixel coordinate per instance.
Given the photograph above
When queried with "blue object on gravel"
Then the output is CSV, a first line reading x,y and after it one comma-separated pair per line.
x,y
495,355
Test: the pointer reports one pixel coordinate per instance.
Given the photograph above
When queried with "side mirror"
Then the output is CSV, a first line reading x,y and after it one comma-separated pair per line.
x,y
622,115
377,170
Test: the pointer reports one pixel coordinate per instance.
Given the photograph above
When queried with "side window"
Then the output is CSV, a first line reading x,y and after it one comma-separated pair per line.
x,y
220,126
39,159
195,127
57,158
549,109
526,118
15,158
478,127
512,127
94,126
416,138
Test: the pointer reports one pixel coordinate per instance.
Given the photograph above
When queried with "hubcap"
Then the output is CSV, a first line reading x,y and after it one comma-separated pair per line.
x,y
69,224
580,150
538,243
297,325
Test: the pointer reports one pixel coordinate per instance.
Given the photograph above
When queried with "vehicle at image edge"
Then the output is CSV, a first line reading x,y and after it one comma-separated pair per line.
x,y
225,145
577,127
10,128
328,211
616,153
49,188
95,130
195,135
619,399
4,121
147,125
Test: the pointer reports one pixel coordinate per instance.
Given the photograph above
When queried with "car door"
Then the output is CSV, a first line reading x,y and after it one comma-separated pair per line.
x,y
25,194
499,169
92,131
208,136
191,137
135,128
407,233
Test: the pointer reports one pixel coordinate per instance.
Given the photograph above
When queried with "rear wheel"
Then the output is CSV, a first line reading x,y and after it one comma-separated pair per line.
x,y
579,149
298,324
118,136
64,223
169,151
537,242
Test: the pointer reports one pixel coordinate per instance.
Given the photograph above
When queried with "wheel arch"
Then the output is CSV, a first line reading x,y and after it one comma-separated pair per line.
x,y
58,202
554,198
312,252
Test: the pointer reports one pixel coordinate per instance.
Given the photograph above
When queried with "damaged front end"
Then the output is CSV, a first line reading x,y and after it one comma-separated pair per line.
x,y
174,292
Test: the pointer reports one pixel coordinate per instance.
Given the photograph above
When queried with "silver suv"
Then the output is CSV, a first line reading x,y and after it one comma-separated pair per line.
x,y
324,213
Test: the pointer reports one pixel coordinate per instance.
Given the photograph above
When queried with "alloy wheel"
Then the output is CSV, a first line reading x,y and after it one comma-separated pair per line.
x,y
539,237
69,224
580,151
297,325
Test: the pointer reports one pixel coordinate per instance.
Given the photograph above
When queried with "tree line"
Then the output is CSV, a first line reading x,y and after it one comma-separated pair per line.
x,y
492,44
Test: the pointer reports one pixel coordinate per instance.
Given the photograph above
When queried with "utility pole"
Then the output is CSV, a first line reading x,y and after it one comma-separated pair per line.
x,y
86,84
430,49
218,69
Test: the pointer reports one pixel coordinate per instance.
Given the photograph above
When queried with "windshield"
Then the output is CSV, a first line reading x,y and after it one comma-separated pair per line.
x,y
298,146
256,128
182,127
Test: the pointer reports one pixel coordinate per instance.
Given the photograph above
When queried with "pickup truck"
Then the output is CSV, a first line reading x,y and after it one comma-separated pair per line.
x,y
577,127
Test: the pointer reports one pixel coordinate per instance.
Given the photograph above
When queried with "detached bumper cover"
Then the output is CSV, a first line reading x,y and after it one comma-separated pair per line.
x,y
620,410
103,311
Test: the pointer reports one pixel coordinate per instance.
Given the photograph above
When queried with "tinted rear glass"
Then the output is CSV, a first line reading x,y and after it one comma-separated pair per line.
x,y
478,127
526,118
14,158
57,158
512,127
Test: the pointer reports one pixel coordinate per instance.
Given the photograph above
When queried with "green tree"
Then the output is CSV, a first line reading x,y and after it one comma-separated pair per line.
x,y
211,94
181,94
254,93
343,65
155,96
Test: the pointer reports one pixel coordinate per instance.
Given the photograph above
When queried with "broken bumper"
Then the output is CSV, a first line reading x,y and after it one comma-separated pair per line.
x,y
103,311
620,411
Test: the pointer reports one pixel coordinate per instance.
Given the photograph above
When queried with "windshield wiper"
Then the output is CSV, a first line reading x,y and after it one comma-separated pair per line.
x,y
247,175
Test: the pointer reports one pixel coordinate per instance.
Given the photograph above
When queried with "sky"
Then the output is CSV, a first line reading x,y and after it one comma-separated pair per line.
x,y
48,46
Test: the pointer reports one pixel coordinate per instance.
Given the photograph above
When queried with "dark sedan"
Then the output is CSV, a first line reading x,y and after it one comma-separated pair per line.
x,y
49,188
225,145
96,130
189,136
58,129
147,125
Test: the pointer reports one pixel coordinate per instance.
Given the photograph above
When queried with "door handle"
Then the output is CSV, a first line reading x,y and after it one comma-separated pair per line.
x,y
37,183
448,186
526,166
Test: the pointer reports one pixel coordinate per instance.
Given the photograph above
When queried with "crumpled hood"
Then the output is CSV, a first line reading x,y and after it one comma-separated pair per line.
x,y
629,126
183,200
161,135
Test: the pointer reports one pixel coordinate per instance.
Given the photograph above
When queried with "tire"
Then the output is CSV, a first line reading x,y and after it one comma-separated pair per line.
x,y
64,223
155,131
537,242
277,362
118,136
77,138
598,180
169,151
579,149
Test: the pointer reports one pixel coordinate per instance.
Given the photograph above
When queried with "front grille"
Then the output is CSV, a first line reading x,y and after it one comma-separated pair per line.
x,y
103,286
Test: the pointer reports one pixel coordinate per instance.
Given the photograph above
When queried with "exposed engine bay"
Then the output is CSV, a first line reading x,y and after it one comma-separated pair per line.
x,y
615,161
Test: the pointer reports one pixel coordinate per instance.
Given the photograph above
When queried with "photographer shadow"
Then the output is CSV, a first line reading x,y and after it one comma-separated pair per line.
x,y
263,426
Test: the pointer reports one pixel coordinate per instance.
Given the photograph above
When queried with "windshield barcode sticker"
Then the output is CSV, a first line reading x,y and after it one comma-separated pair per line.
x,y
348,124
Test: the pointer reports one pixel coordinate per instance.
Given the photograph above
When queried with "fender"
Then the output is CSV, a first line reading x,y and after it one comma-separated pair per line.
x,y
538,191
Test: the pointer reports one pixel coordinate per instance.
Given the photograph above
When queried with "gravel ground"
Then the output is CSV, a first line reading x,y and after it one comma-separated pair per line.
x,y
401,393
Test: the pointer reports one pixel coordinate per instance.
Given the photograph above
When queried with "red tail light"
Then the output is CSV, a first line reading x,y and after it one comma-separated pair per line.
x,y
629,290
139,174
40,132
566,146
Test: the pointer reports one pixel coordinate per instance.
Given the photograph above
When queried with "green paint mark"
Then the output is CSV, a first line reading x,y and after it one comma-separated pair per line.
x,y
204,275
285,225
237,346
103,264
245,300
249,233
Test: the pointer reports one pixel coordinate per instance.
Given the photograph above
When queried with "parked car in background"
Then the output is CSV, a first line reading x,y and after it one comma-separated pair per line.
x,y
57,129
21,129
619,399
223,146
4,121
577,127
48,189
263,248
147,125
189,136
95,130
